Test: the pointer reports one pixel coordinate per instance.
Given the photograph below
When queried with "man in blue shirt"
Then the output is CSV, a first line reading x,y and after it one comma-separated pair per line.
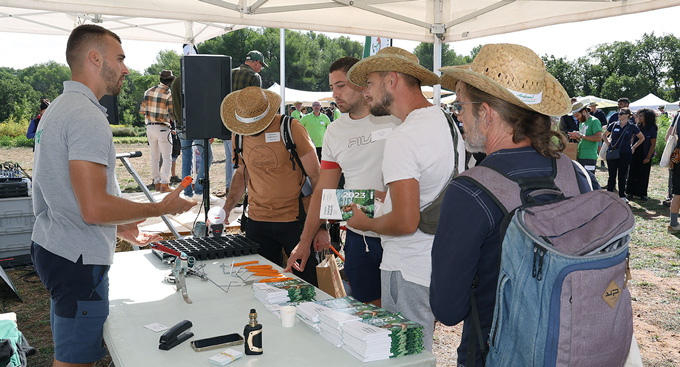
x,y
510,122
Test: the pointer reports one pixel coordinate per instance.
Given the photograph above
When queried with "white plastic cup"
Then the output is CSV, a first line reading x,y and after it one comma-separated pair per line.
x,y
288,316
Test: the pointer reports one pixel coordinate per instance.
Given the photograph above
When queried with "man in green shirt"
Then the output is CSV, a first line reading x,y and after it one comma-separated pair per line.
x,y
589,135
336,111
297,113
316,123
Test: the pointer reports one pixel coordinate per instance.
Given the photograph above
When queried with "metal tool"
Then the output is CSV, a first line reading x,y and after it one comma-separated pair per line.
x,y
180,269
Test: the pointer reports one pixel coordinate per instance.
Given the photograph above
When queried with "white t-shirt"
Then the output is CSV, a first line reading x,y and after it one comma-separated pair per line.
x,y
420,148
357,146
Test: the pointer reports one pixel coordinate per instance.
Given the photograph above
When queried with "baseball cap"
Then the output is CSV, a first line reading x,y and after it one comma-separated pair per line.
x,y
256,56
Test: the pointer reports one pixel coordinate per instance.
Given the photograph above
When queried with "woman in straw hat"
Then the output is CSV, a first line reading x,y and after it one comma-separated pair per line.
x,y
276,211
505,99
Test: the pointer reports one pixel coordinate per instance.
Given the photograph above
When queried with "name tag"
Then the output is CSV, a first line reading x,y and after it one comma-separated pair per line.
x,y
617,130
272,137
381,134
322,123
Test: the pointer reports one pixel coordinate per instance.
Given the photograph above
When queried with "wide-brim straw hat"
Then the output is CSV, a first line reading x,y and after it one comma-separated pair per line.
x,y
391,59
250,110
514,74
576,107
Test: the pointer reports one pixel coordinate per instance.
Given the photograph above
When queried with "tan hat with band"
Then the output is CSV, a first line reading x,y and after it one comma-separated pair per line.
x,y
514,74
391,59
250,110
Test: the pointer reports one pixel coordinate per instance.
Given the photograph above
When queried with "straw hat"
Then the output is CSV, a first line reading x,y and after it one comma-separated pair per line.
x,y
514,74
391,59
577,107
250,110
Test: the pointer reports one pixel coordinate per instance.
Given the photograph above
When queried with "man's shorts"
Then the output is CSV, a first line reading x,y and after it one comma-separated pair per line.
x,y
675,178
363,268
79,305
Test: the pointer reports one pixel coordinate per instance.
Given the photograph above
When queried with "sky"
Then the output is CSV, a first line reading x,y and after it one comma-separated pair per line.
x,y
570,40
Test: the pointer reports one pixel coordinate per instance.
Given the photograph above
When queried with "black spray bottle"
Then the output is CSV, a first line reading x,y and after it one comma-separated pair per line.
x,y
252,334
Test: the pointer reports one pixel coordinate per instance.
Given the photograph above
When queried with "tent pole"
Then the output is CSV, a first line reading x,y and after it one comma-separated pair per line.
x,y
437,50
282,81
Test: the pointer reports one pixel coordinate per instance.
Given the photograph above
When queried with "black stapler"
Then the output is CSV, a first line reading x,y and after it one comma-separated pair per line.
x,y
176,335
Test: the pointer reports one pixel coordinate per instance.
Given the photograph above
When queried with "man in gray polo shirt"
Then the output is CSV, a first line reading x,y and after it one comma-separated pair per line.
x,y
77,214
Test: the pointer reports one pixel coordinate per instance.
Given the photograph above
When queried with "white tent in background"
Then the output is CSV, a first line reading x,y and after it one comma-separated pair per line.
x,y
649,101
294,95
673,106
601,102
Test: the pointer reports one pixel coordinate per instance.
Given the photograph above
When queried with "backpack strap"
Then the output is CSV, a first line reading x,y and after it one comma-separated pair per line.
x,y
289,142
238,149
287,137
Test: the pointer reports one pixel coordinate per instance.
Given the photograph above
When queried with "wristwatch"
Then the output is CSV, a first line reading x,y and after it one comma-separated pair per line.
x,y
325,225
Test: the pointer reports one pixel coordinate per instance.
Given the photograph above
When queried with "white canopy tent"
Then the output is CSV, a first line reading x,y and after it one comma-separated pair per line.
x,y
295,95
601,102
649,101
673,106
191,21
418,20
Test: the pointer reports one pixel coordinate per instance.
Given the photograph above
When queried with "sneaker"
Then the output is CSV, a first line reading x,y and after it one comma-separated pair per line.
x,y
625,199
674,229
222,194
667,203
644,198
175,180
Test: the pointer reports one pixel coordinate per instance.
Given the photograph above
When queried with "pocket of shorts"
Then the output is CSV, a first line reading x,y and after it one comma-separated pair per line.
x,y
91,315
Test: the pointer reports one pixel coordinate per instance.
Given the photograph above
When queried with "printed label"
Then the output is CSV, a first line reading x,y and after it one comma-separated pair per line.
x,y
272,137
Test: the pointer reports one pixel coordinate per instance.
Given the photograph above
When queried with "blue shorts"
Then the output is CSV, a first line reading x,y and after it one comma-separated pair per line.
x,y
363,268
79,305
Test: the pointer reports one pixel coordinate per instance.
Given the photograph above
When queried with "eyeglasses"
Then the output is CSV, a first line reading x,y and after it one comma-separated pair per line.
x,y
458,107
623,113
316,105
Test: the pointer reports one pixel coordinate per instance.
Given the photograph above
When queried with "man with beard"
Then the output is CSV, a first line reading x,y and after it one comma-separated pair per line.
x,y
505,98
158,113
77,213
353,145
418,161
588,135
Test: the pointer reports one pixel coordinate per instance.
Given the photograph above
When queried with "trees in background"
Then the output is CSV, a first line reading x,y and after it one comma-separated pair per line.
x,y
620,69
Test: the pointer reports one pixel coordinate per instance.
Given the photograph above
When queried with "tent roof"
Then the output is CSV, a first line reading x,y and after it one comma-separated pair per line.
x,y
601,102
648,101
294,95
191,21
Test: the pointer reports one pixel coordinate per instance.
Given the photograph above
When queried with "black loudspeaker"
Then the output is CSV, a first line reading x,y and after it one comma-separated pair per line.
x,y
206,80
111,104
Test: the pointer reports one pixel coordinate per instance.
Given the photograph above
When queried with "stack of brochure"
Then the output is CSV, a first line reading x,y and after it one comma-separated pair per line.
x,y
298,290
308,312
330,322
406,336
366,342
267,294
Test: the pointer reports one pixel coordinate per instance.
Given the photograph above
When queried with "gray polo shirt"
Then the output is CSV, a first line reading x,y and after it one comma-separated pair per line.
x,y
74,127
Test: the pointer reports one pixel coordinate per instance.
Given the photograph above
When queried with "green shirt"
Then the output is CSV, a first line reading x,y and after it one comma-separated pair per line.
x,y
316,127
588,149
336,114
296,115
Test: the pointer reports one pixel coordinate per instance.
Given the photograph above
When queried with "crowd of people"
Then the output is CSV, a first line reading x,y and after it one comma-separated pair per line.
x,y
380,133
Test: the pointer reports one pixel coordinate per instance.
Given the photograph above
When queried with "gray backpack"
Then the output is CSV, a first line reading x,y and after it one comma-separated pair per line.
x,y
562,296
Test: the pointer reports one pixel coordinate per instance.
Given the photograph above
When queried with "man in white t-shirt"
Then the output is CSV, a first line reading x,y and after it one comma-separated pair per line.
x,y
353,145
418,161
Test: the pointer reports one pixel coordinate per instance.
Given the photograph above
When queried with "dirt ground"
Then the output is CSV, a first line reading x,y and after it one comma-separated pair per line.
x,y
655,263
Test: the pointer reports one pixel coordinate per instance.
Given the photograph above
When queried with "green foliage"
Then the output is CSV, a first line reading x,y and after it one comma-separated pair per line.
x,y
308,54
16,98
47,79
128,131
13,128
663,124
623,69
425,54
19,141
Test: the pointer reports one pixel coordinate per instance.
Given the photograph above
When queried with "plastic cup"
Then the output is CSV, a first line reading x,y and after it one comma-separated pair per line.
x,y
288,316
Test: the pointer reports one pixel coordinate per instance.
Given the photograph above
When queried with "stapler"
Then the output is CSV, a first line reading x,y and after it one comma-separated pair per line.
x,y
175,335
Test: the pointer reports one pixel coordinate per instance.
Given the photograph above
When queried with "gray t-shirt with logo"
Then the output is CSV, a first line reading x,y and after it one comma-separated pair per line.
x,y
74,127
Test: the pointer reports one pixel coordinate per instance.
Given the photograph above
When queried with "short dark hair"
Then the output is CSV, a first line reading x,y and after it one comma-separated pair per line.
x,y
524,123
85,35
624,100
343,64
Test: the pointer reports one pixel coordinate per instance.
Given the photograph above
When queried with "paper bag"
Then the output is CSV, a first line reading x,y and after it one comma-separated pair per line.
x,y
571,151
328,277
